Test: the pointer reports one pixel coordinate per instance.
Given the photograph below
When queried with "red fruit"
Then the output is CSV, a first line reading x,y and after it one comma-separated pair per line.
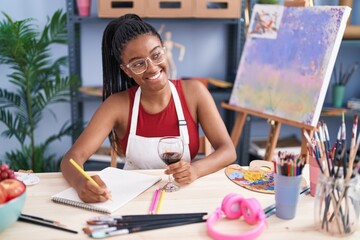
x,y
6,172
2,195
11,173
4,175
4,167
13,188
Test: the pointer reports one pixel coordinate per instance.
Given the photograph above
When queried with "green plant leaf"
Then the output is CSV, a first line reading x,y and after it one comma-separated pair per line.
x,y
39,82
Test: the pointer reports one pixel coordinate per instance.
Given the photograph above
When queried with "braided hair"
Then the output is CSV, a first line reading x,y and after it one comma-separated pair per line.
x,y
115,37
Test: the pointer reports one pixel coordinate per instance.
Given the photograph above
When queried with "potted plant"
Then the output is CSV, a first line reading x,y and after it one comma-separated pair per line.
x,y
38,81
341,79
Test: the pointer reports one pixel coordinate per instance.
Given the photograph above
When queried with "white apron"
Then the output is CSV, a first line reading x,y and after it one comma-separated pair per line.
x,y
141,152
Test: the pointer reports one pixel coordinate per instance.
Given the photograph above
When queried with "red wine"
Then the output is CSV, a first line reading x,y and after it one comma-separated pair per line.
x,y
171,157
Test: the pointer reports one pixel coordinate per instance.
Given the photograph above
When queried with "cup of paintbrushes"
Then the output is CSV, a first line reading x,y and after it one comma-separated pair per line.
x,y
337,204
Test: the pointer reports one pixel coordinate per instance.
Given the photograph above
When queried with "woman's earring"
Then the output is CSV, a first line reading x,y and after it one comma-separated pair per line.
x,y
126,70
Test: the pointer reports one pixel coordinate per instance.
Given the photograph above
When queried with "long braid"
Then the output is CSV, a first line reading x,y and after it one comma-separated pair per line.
x,y
115,37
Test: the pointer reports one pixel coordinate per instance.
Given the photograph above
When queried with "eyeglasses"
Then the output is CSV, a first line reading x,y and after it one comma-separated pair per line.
x,y
139,66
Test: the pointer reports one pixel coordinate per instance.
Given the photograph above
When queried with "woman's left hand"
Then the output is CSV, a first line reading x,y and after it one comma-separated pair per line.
x,y
182,172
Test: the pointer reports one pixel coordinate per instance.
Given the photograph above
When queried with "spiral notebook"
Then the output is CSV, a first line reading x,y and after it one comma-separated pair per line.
x,y
124,185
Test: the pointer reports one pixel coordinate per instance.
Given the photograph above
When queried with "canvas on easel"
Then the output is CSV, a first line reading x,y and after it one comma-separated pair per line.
x,y
286,64
287,61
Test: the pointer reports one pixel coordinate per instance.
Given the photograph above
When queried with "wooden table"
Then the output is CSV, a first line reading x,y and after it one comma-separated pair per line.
x,y
204,195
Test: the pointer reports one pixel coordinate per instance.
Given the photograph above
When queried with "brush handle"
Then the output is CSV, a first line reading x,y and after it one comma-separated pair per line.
x,y
147,217
161,222
38,218
125,231
165,225
137,223
45,224
160,216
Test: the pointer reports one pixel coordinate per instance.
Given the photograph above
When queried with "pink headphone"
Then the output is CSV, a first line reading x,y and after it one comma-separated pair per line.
x,y
234,206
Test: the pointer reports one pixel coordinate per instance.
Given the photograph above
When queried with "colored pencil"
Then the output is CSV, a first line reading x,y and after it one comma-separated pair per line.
x,y
155,199
83,172
289,164
162,193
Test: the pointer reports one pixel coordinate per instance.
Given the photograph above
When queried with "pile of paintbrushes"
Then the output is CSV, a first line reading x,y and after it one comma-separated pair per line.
x,y
345,76
339,167
106,226
332,159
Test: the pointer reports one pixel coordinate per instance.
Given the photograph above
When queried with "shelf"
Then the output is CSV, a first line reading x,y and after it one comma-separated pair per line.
x,y
235,42
217,93
92,19
350,43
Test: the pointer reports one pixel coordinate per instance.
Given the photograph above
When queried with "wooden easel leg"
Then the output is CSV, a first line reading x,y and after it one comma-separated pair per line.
x,y
272,140
304,150
238,127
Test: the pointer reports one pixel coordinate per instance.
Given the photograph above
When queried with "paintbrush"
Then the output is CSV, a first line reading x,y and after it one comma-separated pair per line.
x,y
127,218
118,226
103,234
315,150
42,219
44,223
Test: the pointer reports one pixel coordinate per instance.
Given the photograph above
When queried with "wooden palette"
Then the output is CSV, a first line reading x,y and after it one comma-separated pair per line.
x,y
259,176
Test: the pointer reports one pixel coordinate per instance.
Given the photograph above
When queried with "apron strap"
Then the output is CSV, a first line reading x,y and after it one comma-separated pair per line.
x,y
135,112
182,122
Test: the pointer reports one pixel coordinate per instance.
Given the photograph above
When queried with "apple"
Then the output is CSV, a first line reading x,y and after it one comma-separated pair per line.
x,y
12,187
2,195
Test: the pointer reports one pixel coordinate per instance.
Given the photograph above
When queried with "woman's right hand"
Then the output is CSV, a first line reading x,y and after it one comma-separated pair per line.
x,y
90,193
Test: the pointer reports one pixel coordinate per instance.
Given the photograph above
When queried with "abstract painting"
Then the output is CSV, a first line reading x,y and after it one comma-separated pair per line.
x,y
287,61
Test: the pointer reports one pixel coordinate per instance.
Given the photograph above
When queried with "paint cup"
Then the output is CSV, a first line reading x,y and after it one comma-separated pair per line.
x,y
338,95
83,7
314,174
287,191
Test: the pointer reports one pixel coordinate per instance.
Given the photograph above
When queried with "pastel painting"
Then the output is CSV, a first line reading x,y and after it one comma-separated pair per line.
x,y
287,60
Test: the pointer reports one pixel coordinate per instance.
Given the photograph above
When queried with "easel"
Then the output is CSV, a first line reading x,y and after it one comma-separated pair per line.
x,y
276,122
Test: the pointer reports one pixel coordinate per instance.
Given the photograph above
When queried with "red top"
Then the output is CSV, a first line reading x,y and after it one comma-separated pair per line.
x,y
164,123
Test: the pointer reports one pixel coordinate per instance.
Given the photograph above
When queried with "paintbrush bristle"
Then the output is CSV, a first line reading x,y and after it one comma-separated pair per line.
x,y
87,230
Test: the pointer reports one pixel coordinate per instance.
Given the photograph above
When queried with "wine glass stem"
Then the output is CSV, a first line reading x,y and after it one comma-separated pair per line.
x,y
170,178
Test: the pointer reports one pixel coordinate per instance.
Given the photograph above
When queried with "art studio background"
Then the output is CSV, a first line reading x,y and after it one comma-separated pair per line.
x,y
206,56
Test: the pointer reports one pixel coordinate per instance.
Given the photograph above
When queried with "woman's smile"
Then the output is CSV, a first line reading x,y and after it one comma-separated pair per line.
x,y
155,76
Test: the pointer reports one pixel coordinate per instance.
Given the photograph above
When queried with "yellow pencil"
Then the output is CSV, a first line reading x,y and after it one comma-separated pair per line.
x,y
160,200
83,172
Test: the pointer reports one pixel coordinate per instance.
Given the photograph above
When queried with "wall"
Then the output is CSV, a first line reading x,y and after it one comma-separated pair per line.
x,y
38,10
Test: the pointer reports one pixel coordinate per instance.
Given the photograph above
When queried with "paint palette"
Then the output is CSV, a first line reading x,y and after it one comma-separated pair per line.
x,y
27,178
259,176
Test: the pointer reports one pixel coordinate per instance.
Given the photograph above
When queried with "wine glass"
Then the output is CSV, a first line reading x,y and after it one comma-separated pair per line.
x,y
170,150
